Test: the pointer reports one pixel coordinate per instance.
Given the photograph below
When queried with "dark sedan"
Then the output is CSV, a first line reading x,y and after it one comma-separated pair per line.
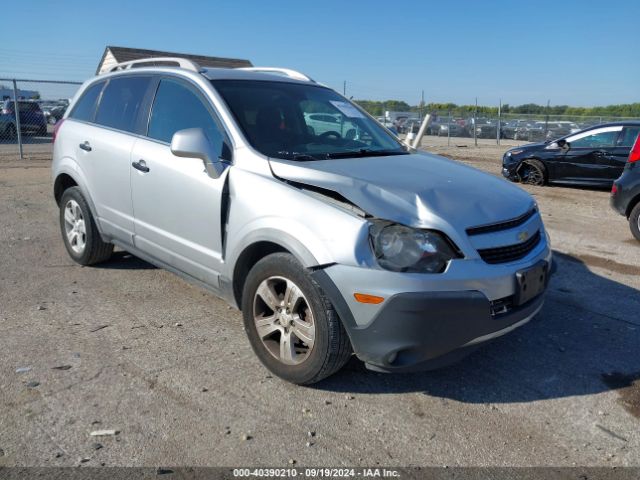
x,y
595,156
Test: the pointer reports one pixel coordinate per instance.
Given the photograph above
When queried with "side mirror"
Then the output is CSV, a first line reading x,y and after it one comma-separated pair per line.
x,y
194,143
563,144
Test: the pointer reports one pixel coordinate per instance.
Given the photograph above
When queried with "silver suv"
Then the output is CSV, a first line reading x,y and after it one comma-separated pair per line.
x,y
331,241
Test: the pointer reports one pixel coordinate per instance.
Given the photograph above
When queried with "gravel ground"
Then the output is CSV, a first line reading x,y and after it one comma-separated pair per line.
x,y
129,347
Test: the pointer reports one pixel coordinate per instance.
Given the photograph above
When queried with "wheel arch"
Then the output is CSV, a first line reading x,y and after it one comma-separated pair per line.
x,y
259,246
537,159
631,205
66,179
62,182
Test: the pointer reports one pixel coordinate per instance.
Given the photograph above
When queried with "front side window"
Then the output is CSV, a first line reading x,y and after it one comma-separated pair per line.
x,y
303,121
121,102
86,106
177,107
600,138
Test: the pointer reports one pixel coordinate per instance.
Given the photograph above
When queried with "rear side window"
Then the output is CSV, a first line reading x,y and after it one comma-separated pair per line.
x,y
121,102
177,107
628,137
86,105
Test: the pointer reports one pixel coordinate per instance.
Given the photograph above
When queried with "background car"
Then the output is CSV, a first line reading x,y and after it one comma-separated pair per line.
x,y
486,129
510,127
595,156
54,113
321,123
32,120
560,129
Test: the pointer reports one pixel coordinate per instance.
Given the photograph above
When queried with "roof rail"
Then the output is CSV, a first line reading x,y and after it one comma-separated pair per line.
x,y
181,62
287,72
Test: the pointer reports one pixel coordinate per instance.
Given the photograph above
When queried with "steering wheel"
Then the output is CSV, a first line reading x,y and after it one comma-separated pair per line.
x,y
330,133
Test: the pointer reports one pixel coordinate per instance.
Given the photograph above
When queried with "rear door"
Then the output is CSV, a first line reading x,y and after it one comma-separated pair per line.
x,y
620,153
589,156
103,149
177,205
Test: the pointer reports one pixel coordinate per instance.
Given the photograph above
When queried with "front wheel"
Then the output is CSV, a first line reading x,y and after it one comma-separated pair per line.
x,y
291,324
532,172
634,221
79,231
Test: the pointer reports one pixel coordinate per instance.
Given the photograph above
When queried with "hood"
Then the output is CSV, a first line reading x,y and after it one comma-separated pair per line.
x,y
530,146
420,190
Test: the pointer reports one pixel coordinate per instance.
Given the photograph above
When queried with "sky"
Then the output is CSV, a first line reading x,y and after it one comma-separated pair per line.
x,y
581,53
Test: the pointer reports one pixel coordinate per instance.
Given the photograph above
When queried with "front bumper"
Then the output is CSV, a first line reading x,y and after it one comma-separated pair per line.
x,y
510,167
421,331
428,323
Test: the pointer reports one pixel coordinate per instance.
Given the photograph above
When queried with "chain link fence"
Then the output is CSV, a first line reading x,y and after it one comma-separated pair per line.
x,y
29,110
462,127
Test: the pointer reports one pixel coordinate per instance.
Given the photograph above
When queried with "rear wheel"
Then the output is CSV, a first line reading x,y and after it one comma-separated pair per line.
x,y
292,326
532,172
634,221
79,231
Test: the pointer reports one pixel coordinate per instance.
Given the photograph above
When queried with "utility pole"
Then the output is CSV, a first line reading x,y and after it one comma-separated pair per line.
x,y
421,104
475,124
499,122
546,120
344,88
16,112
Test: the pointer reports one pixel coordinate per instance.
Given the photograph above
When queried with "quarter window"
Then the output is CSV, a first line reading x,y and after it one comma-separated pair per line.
x,y
177,107
121,102
86,105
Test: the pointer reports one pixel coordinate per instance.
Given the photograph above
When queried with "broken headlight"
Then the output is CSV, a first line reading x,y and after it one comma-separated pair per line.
x,y
404,249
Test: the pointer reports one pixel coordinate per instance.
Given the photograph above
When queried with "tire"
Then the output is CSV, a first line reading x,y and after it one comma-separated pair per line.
x,y
302,363
532,172
634,221
79,232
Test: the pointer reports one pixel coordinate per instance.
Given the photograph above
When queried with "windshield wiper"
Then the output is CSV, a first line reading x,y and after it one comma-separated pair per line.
x,y
298,157
365,152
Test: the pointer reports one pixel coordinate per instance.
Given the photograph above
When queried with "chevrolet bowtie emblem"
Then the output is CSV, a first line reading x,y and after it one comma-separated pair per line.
x,y
522,236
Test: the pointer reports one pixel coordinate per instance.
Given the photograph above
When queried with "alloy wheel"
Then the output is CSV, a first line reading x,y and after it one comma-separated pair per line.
x,y
284,320
533,175
75,227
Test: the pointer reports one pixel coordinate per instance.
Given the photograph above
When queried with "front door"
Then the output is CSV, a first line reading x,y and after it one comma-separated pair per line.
x,y
177,206
589,155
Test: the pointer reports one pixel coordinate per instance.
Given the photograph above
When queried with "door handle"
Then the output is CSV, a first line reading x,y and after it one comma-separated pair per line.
x,y
600,153
85,146
140,165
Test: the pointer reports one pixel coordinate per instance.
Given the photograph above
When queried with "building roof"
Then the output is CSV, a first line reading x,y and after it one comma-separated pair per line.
x,y
124,54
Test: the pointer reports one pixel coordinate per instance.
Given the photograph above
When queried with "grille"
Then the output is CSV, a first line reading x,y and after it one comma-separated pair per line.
x,y
496,227
510,252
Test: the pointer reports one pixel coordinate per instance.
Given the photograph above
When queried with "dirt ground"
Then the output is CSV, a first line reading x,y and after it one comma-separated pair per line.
x,y
129,347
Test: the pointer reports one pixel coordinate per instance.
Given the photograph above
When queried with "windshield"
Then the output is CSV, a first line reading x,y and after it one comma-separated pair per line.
x,y
304,122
